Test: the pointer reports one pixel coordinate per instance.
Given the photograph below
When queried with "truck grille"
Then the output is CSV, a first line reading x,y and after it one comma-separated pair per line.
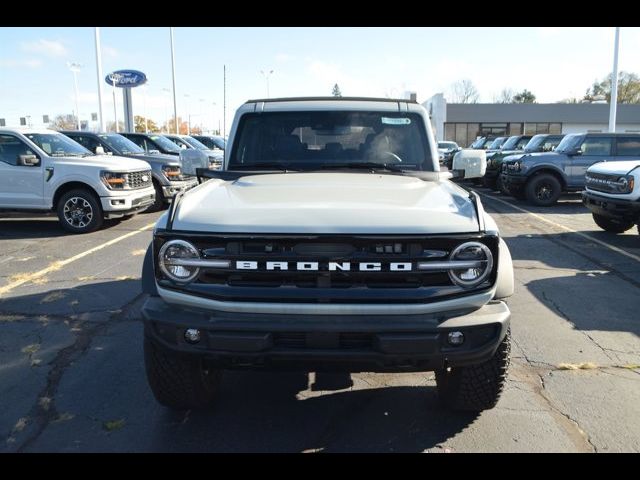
x,y
602,182
138,180
322,284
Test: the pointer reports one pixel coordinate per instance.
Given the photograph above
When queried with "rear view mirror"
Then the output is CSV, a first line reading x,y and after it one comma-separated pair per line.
x,y
470,163
28,160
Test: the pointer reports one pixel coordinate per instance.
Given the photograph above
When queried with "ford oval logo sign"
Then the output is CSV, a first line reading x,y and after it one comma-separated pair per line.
x,y
126,78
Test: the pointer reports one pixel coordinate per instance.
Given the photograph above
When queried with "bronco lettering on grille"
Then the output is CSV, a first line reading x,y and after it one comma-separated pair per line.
x,y
329,266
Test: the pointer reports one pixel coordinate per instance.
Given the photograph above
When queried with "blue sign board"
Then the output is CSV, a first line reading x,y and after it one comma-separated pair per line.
x,y
126,78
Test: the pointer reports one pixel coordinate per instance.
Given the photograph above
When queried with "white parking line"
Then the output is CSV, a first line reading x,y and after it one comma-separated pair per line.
x,y
61,263
550,222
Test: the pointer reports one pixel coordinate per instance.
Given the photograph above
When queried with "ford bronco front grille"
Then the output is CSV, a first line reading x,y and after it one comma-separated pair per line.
x,y
325,269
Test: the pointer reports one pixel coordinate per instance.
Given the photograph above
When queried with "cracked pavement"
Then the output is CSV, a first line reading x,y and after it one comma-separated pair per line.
x,y
72,374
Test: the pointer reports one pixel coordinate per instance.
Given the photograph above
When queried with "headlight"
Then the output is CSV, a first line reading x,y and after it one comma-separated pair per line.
x,y
625,184
172,172
174,258
471,251
516,166
114,180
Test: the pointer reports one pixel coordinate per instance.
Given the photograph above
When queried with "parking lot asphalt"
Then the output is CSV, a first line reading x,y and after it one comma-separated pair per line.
x,y
72,375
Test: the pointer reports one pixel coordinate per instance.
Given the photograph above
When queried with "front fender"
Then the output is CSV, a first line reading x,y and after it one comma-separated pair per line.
x,y
505,281
148,275
549,167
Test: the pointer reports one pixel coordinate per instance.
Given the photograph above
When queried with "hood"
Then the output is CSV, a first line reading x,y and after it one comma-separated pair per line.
x,y
161,158
543,156
514,157
348,203
108,162
215,154
614,168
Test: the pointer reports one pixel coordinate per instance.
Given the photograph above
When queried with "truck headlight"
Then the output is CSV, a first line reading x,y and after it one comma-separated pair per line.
x,y
470,251
172,172
114,180
625,184
173,260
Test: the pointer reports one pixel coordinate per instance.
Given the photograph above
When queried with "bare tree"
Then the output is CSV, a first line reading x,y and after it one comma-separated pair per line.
x,y
65,122
464,91
505,96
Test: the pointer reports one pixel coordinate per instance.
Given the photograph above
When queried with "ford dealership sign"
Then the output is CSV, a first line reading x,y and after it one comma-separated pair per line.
x,y
126,78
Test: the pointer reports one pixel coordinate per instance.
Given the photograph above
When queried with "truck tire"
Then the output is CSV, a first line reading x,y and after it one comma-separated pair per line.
x,y
79,211
543,190
612,225
179,382
475,387
159,202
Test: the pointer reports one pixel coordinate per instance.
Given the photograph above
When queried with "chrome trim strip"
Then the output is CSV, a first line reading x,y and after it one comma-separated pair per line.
x,y
186,262
469,301
450,265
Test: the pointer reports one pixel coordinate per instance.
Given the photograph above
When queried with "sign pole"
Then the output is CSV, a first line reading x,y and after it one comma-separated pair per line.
x,y
173,75
99,72
614,85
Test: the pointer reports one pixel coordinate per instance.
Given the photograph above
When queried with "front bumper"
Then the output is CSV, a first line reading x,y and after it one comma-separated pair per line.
x,y
333,342
513,183
628,210
171,190
126,203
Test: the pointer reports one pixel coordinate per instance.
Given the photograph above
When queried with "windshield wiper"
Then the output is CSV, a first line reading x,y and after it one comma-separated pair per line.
x,y
263,165
362,166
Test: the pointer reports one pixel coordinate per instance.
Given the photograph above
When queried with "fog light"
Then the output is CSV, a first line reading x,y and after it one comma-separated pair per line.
x,y
455,338
192,335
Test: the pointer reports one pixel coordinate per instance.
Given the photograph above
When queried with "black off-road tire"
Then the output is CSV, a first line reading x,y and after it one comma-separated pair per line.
x,y
612,225
86,200
179,382
543,190
475,387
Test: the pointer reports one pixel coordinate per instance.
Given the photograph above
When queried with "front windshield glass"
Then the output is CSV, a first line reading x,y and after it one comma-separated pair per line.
x,y
179,142
510,144
58,145
496,143
446,145
220,142
165,143
121,145
535,144
570,142
194,143
320,139
478,143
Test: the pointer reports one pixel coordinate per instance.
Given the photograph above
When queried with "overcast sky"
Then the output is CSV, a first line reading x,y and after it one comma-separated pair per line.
x,y
552,62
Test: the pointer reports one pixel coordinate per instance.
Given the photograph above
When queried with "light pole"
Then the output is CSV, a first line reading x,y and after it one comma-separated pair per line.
x,y
614,84
186,95
146,119
173,76
166,119
201,100
115,78
99,75
266,76
75,68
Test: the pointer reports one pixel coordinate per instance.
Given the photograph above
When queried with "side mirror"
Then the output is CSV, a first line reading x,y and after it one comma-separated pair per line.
x,y
470,163
28,160
577,151
100,150
184,147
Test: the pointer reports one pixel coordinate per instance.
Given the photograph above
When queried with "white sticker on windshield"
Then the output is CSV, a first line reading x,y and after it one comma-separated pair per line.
x,y
396,121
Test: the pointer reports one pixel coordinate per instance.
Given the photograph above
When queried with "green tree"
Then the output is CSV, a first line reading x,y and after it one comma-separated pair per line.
x,y
65,122
524,96
628,89
140,124
336,91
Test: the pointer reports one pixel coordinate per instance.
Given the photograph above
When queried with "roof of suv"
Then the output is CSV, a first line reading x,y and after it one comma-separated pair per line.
x,y
331,99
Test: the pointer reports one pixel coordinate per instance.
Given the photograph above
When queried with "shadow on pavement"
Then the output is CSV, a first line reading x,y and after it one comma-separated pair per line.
x,y
16,227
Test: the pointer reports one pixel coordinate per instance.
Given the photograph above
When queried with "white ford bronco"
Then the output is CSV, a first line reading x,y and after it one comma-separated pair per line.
x,y
43,170
612,193
329,241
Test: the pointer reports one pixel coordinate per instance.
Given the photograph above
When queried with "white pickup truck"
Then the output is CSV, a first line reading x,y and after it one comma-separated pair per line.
x,y
43,170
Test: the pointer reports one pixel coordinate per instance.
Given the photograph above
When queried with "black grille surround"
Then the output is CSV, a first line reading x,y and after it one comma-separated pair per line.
x,y
324,286
135,181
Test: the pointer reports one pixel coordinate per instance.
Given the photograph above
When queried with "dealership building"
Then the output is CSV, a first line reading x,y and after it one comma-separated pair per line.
x,y
464,122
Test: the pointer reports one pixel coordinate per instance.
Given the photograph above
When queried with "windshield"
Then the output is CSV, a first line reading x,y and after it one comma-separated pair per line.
x,y
320,139
478,143
535,143
447,145
570,142
165,143
220,142
511,143
496,143
58,145
121,145
194,143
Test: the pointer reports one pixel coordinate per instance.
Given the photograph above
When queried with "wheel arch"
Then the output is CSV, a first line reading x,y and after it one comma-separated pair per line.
x,y
550,170
73,185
